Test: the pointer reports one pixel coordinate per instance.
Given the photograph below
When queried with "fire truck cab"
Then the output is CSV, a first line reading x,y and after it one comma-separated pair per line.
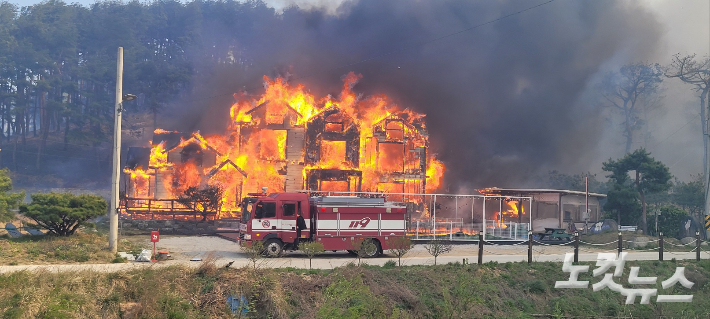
x,y
338,222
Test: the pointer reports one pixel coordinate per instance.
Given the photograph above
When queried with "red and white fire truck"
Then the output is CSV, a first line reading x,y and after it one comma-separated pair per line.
x,y
337,222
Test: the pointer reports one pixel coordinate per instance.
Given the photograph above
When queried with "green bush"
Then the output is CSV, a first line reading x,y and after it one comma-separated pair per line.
x,y
669,220
62,213
8,201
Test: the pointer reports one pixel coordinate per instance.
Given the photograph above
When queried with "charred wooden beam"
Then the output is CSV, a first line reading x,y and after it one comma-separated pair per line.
x,y
316,133
314,176
137,157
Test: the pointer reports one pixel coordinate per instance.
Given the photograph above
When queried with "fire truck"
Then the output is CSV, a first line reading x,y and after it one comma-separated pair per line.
x,y
338,222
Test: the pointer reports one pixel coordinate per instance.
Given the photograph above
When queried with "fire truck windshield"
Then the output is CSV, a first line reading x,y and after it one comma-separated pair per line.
x,y
265,210
247,206
246,213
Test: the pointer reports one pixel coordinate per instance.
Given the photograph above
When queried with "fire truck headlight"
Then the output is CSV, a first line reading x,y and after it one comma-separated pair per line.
x,y
247,236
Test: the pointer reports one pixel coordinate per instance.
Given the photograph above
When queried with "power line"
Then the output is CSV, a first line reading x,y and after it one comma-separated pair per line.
x,y
678,160
671,135
406,47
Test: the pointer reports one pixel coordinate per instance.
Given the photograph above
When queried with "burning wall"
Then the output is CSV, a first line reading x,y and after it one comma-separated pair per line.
x,y
289,140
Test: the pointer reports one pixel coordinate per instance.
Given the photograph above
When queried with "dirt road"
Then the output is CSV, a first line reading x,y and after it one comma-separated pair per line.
x,y
183,249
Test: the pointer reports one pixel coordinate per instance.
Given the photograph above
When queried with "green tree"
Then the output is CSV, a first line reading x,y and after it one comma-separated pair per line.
x,y
689,195
62,213
8,201
670,219
649,176
622,204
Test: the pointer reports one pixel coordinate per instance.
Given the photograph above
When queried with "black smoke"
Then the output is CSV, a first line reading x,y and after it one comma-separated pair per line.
x,y
504,101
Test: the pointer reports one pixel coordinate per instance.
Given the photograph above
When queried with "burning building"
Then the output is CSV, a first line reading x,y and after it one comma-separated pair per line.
x,y
549,208
286,140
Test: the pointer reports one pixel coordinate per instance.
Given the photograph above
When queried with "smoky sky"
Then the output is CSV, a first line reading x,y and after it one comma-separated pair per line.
x,y
504,101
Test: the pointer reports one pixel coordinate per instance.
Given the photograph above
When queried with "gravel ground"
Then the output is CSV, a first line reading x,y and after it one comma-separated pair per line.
x,y
184,248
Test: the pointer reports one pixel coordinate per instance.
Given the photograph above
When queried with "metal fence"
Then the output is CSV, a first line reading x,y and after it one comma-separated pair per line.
x,y
458,216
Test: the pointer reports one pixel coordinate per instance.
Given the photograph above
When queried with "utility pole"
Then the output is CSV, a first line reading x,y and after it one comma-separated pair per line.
x,y
115,173
706,140
586,203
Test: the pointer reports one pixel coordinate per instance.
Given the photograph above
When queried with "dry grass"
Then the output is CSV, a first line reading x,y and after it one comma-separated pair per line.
x,y
78,248
454,291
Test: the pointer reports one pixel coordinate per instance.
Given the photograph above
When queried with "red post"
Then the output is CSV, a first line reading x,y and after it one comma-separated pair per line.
x,y
154,237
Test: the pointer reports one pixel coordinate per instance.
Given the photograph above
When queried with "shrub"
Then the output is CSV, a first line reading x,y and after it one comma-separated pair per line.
x,y
254,251
536,286
437,247
62,213
390,264
400,246
311,249
362,247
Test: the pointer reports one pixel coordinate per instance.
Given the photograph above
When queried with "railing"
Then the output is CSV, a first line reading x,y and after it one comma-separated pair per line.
x,y
457,230
627,228
148,208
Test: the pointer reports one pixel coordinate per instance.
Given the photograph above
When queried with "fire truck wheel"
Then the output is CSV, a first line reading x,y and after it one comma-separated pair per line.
x,y
273,248
374,250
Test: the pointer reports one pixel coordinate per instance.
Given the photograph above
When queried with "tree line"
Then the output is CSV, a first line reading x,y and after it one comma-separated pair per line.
x,y
638,186
58,61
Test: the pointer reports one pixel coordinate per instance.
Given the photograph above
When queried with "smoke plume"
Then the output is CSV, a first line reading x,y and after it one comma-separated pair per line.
x,y
504,101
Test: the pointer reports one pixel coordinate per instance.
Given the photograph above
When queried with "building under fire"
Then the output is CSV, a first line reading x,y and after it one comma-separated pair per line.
x,y
286,140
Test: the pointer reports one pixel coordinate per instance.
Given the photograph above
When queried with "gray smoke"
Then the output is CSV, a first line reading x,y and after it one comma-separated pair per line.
x,y
504,101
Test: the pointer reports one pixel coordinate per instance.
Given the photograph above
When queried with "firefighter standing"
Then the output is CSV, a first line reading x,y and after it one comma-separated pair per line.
x,y
300,225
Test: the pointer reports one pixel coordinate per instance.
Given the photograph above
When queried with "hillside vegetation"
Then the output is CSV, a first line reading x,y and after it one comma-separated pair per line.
x,y
514,290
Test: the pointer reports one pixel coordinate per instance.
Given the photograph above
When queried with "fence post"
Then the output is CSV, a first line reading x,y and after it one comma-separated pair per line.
x,y
529,246
660,246
576,247
620,242
480,249
417,229
697,245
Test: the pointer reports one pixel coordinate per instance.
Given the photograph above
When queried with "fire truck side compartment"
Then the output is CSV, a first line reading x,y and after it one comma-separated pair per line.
x,y
335,221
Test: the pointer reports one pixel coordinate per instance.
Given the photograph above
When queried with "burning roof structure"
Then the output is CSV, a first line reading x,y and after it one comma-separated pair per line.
x,y
289,140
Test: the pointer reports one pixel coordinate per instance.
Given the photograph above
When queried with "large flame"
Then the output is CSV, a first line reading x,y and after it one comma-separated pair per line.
x,y
254,152
510,214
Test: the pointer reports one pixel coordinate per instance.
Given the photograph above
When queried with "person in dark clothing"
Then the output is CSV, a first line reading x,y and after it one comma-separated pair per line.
x,y
300,225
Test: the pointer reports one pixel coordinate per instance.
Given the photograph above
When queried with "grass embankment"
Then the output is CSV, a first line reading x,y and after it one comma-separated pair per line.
x,y
609,241
79,248
514,290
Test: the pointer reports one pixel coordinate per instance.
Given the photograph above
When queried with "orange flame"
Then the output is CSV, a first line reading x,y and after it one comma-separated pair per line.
x,y
255,150
511,213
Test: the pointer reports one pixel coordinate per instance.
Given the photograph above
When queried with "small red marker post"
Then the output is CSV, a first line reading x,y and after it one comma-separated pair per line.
x,y
154,238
